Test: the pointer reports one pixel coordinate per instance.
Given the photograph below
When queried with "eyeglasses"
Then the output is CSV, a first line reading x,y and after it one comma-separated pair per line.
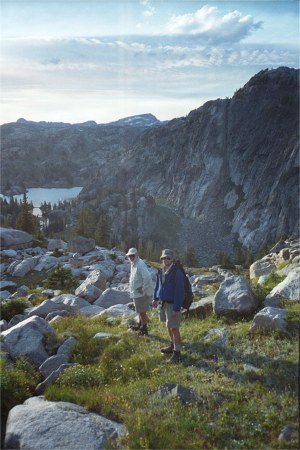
x,y
131,256
166,257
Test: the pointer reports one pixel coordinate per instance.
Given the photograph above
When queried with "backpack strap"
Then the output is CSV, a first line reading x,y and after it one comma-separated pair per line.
x,y
174,270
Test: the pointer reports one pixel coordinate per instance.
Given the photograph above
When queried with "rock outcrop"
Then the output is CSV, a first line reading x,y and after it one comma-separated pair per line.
x,y
27,338
231,166
40,424
14,239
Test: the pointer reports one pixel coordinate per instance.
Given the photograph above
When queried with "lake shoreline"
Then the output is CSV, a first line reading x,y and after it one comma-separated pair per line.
x,y
52,195
18,190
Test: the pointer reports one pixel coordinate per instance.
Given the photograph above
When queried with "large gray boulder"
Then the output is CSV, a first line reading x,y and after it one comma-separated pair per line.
x,y
200,308
112,297
39,424
49,306
5,284
46,262
92,287
21,268
117,311
91,310
14,239
270,318
234,298
56,244
70,300
66,347
261,267
288,289
27,338
53,363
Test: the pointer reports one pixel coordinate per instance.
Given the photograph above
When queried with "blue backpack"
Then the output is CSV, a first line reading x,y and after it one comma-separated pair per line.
x,y
188,293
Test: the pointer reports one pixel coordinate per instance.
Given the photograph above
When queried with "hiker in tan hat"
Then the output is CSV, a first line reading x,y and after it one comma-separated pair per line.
x,y
169,292
141,290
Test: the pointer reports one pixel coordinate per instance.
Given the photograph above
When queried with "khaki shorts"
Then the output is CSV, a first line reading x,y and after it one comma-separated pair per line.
x,y
142,304
165,315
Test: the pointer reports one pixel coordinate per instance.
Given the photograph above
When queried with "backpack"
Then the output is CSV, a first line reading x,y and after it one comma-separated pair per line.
x,y
188,293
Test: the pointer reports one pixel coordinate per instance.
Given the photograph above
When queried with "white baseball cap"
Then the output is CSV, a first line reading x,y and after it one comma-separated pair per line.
x,y
132,251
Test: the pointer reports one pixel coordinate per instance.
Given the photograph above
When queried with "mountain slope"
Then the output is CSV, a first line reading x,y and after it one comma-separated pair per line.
x,y
230,169
232,165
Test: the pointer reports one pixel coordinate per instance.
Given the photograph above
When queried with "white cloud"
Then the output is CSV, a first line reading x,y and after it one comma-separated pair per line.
x,y
149,9
135,55
208,23
122,76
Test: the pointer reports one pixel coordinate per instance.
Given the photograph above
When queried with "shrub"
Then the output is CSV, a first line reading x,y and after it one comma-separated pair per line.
x,y
38,300
272,281
10,308
17,383
262,290
60,278
57,253
79,375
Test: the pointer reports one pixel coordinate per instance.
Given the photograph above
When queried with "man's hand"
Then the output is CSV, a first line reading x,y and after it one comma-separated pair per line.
x,y
154,303
175,313
140,290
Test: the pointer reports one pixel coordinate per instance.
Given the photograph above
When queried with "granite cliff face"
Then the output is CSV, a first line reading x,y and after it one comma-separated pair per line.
x,y
230,169
232,165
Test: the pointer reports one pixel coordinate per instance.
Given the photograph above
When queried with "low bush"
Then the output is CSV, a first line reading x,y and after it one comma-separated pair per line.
x,y
18,383
263,289
12,307
57,253
61,278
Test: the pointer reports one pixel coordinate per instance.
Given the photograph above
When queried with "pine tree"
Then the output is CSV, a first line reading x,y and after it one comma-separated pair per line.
x,y
103,232
86,223
26,220
190,258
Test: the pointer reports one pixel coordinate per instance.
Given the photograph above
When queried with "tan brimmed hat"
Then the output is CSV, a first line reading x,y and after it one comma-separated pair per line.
x,y
166,253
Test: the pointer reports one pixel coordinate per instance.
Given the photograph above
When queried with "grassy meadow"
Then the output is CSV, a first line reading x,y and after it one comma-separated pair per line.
x,y
247,388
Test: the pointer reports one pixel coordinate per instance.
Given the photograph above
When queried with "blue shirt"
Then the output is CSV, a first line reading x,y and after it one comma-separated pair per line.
x,y
172,290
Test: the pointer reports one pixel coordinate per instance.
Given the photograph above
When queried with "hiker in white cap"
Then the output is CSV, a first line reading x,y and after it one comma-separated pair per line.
x,y
141,290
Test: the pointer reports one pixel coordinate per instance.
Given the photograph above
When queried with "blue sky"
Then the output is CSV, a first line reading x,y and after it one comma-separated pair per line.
x,y
73,61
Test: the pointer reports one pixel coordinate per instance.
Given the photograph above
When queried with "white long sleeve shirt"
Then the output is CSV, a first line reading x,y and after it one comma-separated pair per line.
x,y
140,277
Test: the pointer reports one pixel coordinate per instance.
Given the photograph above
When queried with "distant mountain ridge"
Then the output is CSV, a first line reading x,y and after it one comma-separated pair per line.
x,y
229,170
140,120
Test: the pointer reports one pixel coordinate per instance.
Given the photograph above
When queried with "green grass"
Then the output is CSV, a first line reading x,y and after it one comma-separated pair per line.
x,y
119,377
17,385
262,290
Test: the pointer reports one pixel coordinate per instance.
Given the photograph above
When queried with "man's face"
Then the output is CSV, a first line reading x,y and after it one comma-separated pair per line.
x,y
132,258
166,261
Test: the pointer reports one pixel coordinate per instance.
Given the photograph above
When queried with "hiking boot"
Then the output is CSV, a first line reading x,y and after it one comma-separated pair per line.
x,y
143,331
136,327
175,358
168,349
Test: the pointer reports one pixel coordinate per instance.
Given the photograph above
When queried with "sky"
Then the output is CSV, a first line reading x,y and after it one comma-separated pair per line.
x,y
73,61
